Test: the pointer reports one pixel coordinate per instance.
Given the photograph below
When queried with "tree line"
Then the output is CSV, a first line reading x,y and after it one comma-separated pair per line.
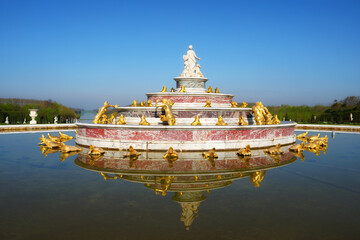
x,y
17,109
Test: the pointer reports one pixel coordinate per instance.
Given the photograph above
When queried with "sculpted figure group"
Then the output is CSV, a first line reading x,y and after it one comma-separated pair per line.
x,y
191,69
263,116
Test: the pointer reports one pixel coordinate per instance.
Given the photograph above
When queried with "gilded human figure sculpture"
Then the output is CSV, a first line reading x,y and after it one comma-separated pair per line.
x,y
234,104
196,122
209,90
169,116
189,64
164,89
258,112
257,177
121,120
143,121
221,121
182,89
101,113
208,103
242,121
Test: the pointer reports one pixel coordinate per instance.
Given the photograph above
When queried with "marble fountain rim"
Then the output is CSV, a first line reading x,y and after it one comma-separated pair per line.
x,y
185,127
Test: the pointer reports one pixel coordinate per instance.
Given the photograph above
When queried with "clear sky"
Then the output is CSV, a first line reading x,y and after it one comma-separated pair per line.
x,y
81,53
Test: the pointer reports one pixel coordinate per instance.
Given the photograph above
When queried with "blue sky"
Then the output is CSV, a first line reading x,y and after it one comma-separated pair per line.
x,y
81,53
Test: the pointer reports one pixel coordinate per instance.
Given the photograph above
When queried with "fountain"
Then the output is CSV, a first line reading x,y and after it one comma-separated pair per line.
x,y
167,120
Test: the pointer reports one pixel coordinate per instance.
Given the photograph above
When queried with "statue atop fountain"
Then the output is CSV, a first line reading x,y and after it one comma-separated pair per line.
x,y
190,66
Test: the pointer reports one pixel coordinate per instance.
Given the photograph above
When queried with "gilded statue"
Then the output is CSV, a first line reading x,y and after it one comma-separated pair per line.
x,y
132,152
210,154
221,122
54,138
149,103
170,102
297,147
300,155
182,89
190,64
208,103
51,144
103,119
164,89
196,122
244,152
134,104
274,150
257,177
172,90
258,111
65,137
169,116
268,116
143,121
67,148
244,105
302,136
242,121
111,119
217,90
95,150
313,138
275,120
142,104
171,156
99,116
209,90
234,104
311,145
121,120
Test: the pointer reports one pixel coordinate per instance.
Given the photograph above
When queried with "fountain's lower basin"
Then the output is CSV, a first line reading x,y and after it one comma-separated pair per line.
x,y
189,138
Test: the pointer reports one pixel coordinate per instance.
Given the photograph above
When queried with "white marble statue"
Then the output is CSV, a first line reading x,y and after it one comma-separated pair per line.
x,y
190,63
7,120
24,121
55,120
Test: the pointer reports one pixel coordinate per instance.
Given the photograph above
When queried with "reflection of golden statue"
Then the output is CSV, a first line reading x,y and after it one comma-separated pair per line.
x,y
210,154
165,184
132,152
134,104
244,105
121,120
274,150
208,103
107,176
217,90
189,213
65,137
242,121
65,155
164,89
95,150
257,177
149,103
169,116
196,122
143,121
300,155
209,90
234,104
101,112
182,89
244,151
221,122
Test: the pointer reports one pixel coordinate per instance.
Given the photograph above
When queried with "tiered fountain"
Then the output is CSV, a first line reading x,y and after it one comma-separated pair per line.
x,y
171,125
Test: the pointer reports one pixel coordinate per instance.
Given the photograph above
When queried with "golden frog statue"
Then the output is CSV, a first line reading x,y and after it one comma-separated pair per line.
x,y
208,103
217,90
209,90
134,103
132,152
274,150
234,104
244,105
196,122
297,147
95,150
242,121
164,89
143,121
65,137
121,120
182,89
210,154
67,148
221,122
244,152
149,103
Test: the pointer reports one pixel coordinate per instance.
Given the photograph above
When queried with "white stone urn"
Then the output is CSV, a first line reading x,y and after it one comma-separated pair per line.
x,y
33,114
